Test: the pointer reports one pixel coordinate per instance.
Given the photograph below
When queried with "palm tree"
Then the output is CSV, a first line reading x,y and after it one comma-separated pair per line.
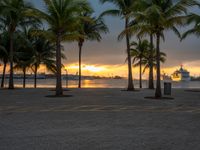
x,y
23,52
124,8
42,50
23,60
193,18
91,30
4,54
137,26
160,16
169,15
142,56
62,18
137,53
4,50
15,12
146,59
43,54
4,47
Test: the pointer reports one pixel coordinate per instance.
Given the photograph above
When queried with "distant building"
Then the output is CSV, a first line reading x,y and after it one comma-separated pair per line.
x,y
181,75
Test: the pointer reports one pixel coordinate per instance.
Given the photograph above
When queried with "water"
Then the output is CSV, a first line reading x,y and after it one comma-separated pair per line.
x,y
99,83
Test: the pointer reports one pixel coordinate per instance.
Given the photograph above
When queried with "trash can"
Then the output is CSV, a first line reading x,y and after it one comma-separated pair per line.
x,y
167,88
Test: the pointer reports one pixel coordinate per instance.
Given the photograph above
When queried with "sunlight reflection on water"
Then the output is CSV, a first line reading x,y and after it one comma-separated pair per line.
x,y
99,83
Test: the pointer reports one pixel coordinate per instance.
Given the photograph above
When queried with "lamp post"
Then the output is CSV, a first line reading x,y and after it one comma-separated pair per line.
x,y
66,76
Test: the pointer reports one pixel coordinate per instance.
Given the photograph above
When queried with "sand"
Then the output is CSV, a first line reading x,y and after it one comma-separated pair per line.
x,y
102,119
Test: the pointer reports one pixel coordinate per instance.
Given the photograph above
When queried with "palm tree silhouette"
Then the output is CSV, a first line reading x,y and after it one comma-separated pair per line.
x,y
137,53
90,29
62,17
123,9
43,54
4,54
16,13
157,17
193,18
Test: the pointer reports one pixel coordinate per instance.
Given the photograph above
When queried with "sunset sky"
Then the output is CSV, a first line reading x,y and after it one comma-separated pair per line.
x,y
107,58
111,54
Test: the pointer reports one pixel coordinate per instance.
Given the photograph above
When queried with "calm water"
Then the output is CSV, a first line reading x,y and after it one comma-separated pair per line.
x,y
100,83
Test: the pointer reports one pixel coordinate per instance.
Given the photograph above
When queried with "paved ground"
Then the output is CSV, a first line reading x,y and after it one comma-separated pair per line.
x,y
98,119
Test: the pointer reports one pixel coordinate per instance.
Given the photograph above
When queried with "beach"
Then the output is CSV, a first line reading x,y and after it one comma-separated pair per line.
x,y
99,119
79,74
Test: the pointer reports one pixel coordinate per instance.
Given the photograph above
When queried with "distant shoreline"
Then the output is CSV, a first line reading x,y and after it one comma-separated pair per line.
x,y
75,77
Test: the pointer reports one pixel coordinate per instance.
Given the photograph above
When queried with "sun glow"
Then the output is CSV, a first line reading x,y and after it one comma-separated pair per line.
x,y
112,70
98,70
94,69
89,68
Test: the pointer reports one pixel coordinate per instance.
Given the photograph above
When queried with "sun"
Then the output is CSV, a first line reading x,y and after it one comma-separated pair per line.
x,y
89,68
94,68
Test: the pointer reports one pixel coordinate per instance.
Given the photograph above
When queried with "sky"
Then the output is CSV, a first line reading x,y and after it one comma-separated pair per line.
x,y
108,56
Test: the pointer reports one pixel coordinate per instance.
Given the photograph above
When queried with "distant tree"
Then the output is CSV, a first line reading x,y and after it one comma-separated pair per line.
x,y
23,54
44,53
146,59
138,50
23,60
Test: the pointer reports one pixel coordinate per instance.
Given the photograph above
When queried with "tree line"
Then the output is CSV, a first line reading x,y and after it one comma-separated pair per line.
x,y
30,37
151,18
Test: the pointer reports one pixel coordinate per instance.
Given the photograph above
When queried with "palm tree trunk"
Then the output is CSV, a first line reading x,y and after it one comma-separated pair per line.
x,y
35,76
130,77
24,77
3,75
59,90
158,93
80,44
151,80
11,84
140,72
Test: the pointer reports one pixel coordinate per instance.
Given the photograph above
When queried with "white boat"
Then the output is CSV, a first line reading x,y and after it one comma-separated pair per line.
x,y
181,75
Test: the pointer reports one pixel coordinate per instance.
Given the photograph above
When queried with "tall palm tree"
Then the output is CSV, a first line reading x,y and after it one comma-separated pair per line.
x,y
15,12
137,26
169,15
4,54
62,18
90,30
160,16
123,9
137,53
4,47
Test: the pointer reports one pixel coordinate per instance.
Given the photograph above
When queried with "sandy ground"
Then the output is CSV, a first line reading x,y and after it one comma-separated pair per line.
x,y
98,119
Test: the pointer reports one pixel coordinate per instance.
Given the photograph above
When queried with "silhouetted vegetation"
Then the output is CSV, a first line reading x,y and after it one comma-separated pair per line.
x,y
26,44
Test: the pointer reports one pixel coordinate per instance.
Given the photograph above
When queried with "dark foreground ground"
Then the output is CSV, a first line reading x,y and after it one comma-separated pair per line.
x,y
98,119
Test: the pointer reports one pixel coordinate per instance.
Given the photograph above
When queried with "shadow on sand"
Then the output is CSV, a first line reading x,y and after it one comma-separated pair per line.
x,y
161,98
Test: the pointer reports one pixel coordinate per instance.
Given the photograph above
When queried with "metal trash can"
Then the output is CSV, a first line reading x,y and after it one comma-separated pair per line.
x,y
167,88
